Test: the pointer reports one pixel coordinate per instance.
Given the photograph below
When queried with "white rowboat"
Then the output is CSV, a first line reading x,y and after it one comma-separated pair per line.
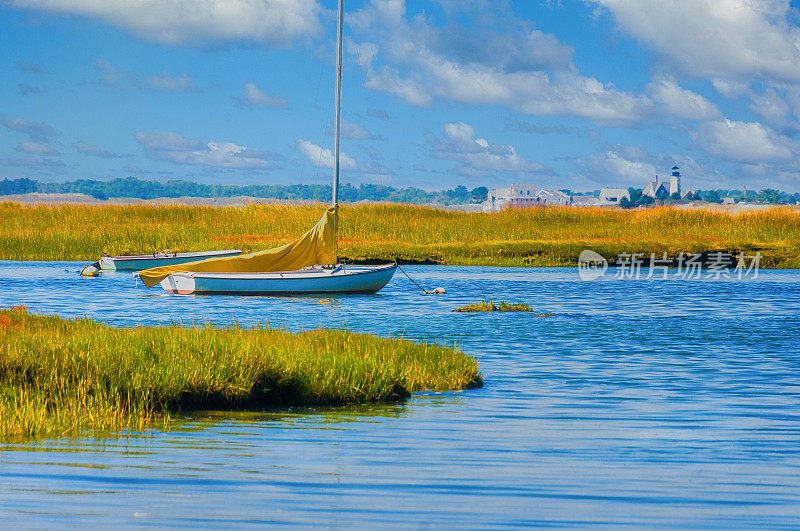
x,y
340,279
146,261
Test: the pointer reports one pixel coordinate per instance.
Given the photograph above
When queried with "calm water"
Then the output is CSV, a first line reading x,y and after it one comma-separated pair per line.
x,y
661,403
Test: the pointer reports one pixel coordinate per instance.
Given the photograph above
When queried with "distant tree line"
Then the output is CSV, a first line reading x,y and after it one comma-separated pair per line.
x,y
132,187
767,196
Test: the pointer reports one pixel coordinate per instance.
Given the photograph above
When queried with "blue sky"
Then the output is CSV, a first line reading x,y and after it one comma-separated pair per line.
x,y
575,94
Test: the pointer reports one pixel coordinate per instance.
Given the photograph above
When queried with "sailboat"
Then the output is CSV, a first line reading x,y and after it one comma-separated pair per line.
x,y
306,265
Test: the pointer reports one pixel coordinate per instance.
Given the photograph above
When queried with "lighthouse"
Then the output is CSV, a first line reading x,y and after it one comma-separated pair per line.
x,y
675,181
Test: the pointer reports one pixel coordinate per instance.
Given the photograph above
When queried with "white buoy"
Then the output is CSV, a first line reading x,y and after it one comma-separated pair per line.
x,y
90,271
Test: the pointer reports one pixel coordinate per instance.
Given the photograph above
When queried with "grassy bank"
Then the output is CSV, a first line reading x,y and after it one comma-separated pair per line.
x,y
538,236
64,376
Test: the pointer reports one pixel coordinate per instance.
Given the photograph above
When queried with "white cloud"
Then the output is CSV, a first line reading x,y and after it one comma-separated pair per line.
x,y
372,152
34,163
695,174
94,151
634,167
729,39
172,147
492,38
35,148
176,22
770,106
167,141
778,104
323,158
452,6
110,77
380,114
253,96
743,141
477,155
748,49
354,131
526,70
181,83
540,129
681,103
729,88
387,78
426,76
33,129
611,168
771,176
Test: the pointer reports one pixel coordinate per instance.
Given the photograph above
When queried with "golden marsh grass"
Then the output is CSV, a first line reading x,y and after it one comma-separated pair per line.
x,y
549,236
61,376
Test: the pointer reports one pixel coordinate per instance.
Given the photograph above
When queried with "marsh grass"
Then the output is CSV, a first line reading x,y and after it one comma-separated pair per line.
x,y
551,236
490,306
62,376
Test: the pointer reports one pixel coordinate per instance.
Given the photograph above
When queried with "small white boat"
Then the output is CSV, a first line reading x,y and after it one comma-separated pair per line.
x,y
163,258
339,279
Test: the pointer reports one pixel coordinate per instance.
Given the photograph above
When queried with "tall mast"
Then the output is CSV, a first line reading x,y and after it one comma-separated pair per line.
x,y
338,120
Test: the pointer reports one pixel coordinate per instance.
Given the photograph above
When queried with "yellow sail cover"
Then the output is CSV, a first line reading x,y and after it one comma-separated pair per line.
x,y
317,246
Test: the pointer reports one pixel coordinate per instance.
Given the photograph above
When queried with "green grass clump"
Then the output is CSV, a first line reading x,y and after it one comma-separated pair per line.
x,y
62,376
490,306
544,236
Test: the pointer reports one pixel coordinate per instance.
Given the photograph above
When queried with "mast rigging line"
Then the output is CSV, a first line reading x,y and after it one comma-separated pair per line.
x,y
337,124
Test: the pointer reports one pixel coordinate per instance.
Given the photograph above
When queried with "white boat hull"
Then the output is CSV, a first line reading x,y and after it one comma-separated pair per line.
x,y
350,279
146,261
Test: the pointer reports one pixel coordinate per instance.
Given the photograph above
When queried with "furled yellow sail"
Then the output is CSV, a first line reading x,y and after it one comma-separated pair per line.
x,y
317,246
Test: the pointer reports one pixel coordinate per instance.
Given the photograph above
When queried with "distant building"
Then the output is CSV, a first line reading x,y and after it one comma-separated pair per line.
x,y
519,195
662,190
656,190
585,200
525,195
612,196
549,197
675,182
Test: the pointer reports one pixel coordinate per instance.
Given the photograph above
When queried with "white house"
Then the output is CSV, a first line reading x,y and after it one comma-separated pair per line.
x,y
549,197
658,190
655,189
612,196
515,195
585,200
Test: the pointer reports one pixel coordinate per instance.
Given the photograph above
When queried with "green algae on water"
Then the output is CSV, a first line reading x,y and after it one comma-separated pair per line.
x,y
490,306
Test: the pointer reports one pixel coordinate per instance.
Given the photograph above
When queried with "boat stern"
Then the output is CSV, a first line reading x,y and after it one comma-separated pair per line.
x,y
107,263
180,284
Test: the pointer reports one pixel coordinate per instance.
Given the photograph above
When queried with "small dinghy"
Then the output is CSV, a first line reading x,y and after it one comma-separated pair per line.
x,y
163,258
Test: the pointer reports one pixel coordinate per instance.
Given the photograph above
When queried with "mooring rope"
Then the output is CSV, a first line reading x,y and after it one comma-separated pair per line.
x,y
436,291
